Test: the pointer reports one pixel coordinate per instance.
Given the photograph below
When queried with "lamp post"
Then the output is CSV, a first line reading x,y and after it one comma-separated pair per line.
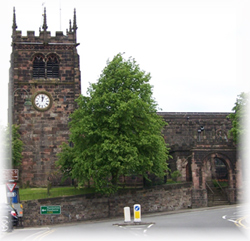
x,y
199,132
27,101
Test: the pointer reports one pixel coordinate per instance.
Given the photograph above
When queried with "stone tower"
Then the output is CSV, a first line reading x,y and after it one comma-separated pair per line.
x,y
44,83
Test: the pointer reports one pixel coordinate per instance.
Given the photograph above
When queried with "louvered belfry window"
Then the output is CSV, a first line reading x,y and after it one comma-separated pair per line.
x,y
52,67
39,67
45,68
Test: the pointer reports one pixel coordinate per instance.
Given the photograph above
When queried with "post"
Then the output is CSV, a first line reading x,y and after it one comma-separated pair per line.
x,y
127,217
137,213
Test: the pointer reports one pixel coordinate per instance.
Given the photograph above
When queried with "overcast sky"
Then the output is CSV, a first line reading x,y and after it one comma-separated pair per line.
x,y
197,52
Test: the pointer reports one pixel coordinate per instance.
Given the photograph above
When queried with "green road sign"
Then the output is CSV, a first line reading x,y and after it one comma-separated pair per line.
x,y
50,209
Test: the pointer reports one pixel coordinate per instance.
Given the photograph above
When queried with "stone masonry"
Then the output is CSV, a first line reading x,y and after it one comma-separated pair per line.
x,y
195,141
96,206
43,64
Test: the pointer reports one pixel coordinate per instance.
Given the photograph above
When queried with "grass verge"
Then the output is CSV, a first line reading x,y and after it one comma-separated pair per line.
x,y
40,193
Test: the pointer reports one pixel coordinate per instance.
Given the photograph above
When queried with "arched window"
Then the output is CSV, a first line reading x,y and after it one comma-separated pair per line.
x,y
221,169
38,67
52,66
45,68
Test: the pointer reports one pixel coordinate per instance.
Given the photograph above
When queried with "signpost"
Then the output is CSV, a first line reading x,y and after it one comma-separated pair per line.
x,y
137,213
11,186
10,174
50,209
11,194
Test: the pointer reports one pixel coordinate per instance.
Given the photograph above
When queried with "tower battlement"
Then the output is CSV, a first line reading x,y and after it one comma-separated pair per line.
x,y
44,36
31,38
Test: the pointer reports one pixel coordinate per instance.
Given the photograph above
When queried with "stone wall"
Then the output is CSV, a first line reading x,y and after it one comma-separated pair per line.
x,y
199,198
186,129
196,140
96,206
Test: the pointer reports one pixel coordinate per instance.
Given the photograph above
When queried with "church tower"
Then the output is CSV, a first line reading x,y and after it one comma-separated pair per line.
x,y
44,83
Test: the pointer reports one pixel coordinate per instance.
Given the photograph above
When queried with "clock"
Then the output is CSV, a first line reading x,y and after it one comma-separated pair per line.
x,y
42,101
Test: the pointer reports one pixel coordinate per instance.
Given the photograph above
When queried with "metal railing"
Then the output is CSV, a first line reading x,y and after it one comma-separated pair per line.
x,y
221,188
210,191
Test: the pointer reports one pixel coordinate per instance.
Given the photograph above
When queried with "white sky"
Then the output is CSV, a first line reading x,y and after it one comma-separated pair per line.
x,y
197,51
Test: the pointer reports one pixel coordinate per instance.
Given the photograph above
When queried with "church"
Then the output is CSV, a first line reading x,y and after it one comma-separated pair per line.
x,y
45,71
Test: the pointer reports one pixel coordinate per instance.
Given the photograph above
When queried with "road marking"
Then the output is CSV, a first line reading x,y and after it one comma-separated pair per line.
x,y
30,236
240,224
43,235
228,219
37,236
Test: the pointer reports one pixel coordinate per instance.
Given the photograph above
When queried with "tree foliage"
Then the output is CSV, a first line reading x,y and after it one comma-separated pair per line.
x,y
16,145
238,116
116,129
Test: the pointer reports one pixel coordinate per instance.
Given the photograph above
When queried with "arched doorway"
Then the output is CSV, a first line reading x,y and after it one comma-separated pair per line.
x,y
217,167
218,177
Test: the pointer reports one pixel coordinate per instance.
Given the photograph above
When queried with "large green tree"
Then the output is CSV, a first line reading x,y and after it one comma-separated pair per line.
x,y
116,129
238,116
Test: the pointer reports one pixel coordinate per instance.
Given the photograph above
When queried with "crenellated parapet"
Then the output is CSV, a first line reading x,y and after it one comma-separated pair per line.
x,y
44,37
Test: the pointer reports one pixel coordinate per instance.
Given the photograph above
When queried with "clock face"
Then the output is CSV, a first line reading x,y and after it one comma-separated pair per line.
x,y
42,101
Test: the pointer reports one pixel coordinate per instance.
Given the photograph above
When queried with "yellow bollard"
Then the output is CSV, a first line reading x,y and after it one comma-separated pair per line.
x,y
137,213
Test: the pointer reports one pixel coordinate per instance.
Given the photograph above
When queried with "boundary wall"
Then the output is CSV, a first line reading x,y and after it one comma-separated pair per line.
x,y
95,206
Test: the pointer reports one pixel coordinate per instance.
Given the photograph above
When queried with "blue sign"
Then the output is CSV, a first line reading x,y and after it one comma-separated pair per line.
x,y
137,208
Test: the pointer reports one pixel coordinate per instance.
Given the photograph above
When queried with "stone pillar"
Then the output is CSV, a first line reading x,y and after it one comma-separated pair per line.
x,y
195,173
199,192
239,174
231,195
181,165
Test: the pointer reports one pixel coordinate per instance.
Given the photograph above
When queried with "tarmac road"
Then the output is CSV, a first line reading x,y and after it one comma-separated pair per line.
x,y
217,223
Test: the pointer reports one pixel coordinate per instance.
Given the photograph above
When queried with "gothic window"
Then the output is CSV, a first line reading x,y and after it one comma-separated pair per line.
x,y
52,67
48,68
38,67
221,169
221,135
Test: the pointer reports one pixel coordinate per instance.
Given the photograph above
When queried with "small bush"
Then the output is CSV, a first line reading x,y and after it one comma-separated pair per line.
x,y
175,175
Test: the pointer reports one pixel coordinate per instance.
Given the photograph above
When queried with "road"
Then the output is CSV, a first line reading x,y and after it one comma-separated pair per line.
x,y
221,223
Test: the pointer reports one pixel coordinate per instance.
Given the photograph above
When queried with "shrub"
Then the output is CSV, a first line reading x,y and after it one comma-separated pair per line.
x,y
175,175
